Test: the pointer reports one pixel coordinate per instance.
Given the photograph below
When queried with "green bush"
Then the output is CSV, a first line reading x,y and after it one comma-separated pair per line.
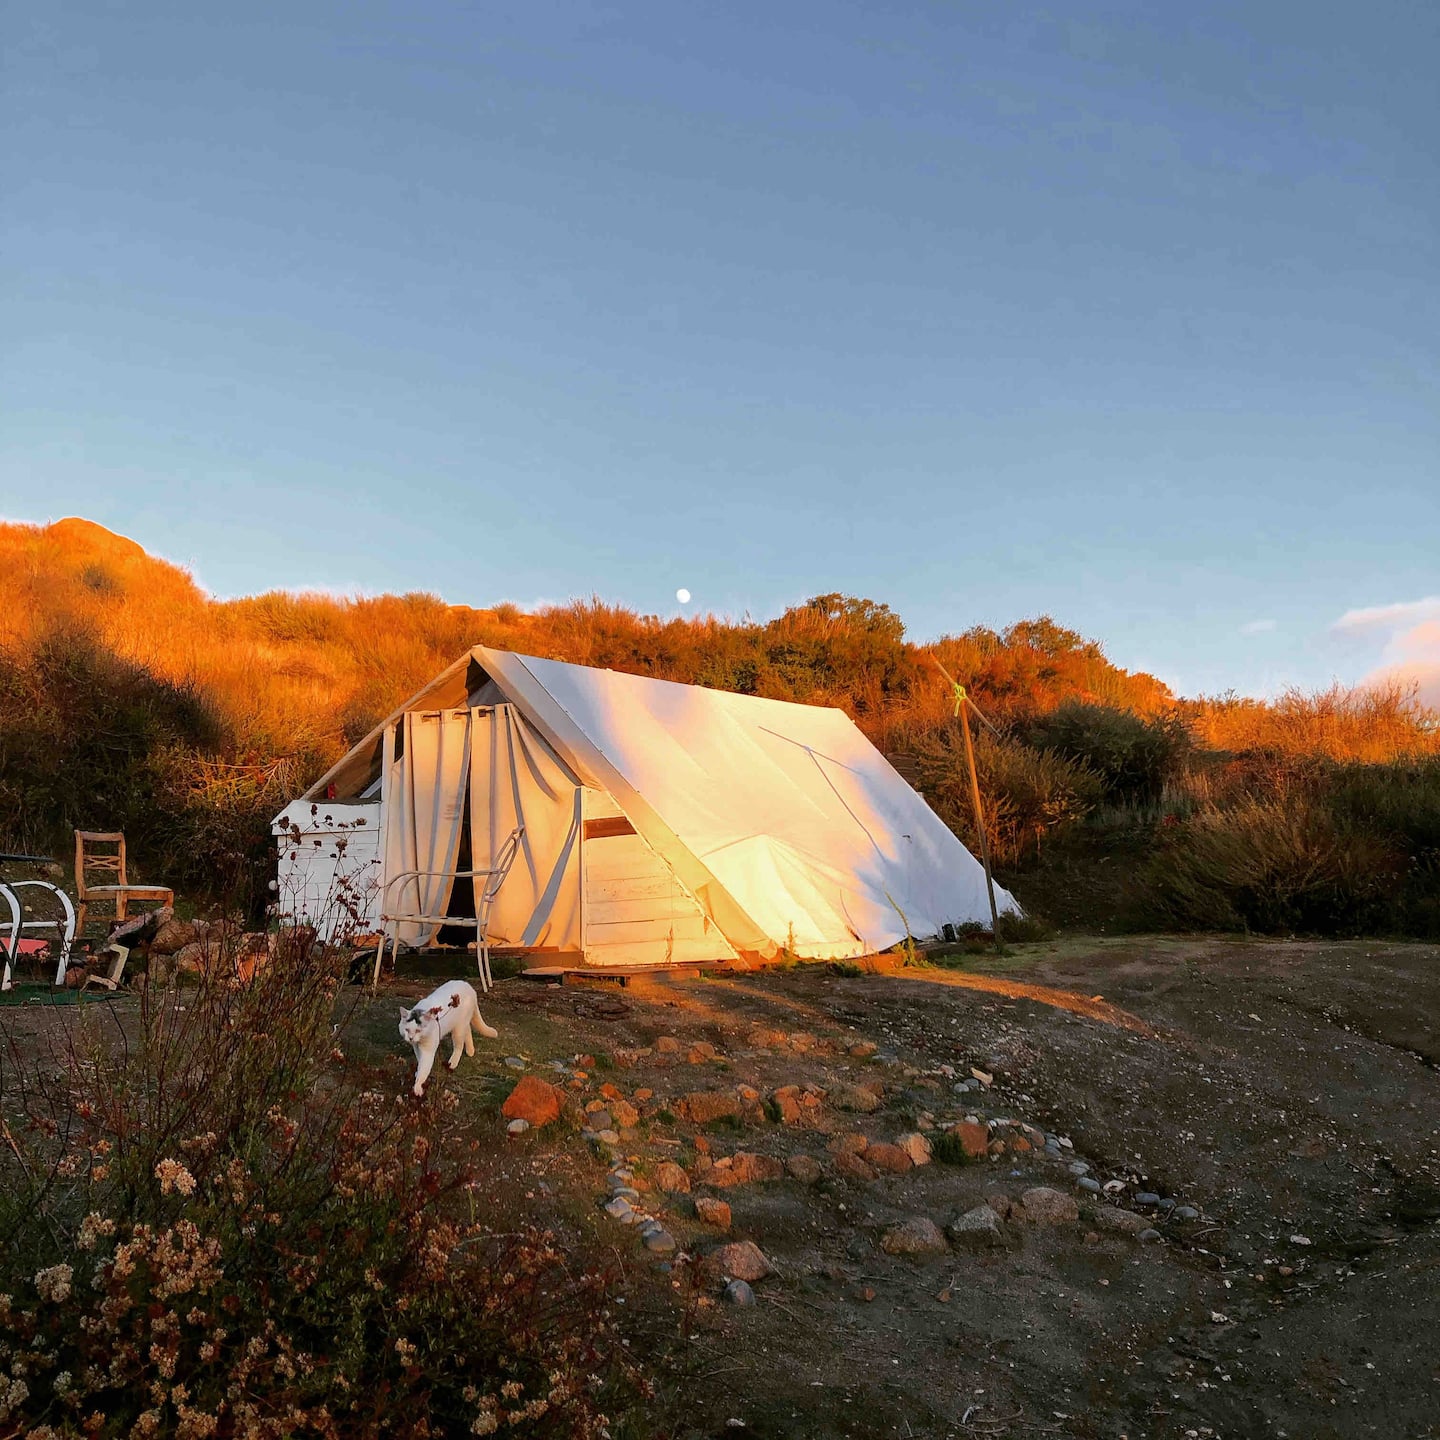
x,y
1274,867
947,1149
1132,757
1401,800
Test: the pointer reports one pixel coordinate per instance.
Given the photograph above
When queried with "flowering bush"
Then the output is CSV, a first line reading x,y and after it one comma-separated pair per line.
x,y
213,1224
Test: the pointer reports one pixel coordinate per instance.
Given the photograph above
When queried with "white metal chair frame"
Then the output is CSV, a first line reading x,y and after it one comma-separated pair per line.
x,y
64,925
391,920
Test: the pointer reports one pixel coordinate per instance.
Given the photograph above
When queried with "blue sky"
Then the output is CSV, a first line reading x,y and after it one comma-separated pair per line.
x,y
1123,312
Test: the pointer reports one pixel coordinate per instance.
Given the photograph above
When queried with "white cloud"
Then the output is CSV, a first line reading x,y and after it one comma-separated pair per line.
x,y
1389,617
1257,627
1410,652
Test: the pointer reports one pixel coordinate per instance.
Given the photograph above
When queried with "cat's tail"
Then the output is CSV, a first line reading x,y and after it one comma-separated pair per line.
x,y
482,1027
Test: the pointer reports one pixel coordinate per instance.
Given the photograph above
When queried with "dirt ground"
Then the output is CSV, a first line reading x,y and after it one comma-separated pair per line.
x,y
1289,1092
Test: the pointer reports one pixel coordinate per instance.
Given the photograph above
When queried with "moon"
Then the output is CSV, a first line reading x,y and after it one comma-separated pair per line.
x,y
683,595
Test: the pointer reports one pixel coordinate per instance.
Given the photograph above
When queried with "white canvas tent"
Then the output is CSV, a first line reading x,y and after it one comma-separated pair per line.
x,y
662,822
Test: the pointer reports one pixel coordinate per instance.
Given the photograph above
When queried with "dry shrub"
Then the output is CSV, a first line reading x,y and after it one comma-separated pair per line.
x,y
213,1223
1025,794
1369,724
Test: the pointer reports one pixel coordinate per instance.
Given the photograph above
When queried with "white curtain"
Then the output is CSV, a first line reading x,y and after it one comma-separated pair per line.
x,y
517,779
424,806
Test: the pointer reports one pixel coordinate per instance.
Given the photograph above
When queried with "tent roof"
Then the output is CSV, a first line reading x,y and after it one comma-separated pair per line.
x,y
785,820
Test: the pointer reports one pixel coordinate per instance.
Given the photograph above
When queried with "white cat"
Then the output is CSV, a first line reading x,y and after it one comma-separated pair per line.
x,y
451,1010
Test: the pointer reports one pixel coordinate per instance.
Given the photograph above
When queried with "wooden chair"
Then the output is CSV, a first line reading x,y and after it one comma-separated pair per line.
x,y
101,854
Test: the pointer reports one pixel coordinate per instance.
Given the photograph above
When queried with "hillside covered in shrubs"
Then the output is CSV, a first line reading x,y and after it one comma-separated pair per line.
x,y
130,699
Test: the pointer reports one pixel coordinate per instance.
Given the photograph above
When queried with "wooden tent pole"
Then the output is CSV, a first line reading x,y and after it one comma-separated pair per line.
x,y
963,706
980,824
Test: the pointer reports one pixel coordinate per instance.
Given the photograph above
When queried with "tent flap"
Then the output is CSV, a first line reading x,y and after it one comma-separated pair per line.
x,y
517,779
424,806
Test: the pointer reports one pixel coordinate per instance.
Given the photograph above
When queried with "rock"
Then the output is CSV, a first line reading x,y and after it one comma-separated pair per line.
x,y
624,1115
888,1159
797,1106
1003,1206
198,957
917,1147
622,1192
670,1178
700,1107
854,1098
1186,1212
740,1260
804,1168
916,1236
619,1208
851,1144
986,1079
1147,1198
700,1052
1089,1186
610,1092
598,1119
1041,1205
642,1095
977,1229
534,1100
852,1167
1108,1217
743,1168
763,1039
514,1062
604,1137
1078,1167
737,1292
974,1138
713,1212
1149,1235
787,1101
518,1126
175,935
863,1049
667,1045
660,1242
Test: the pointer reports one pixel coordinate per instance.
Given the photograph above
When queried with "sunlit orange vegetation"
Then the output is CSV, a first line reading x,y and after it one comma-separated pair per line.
x,y
1372,726
305,673
130,699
